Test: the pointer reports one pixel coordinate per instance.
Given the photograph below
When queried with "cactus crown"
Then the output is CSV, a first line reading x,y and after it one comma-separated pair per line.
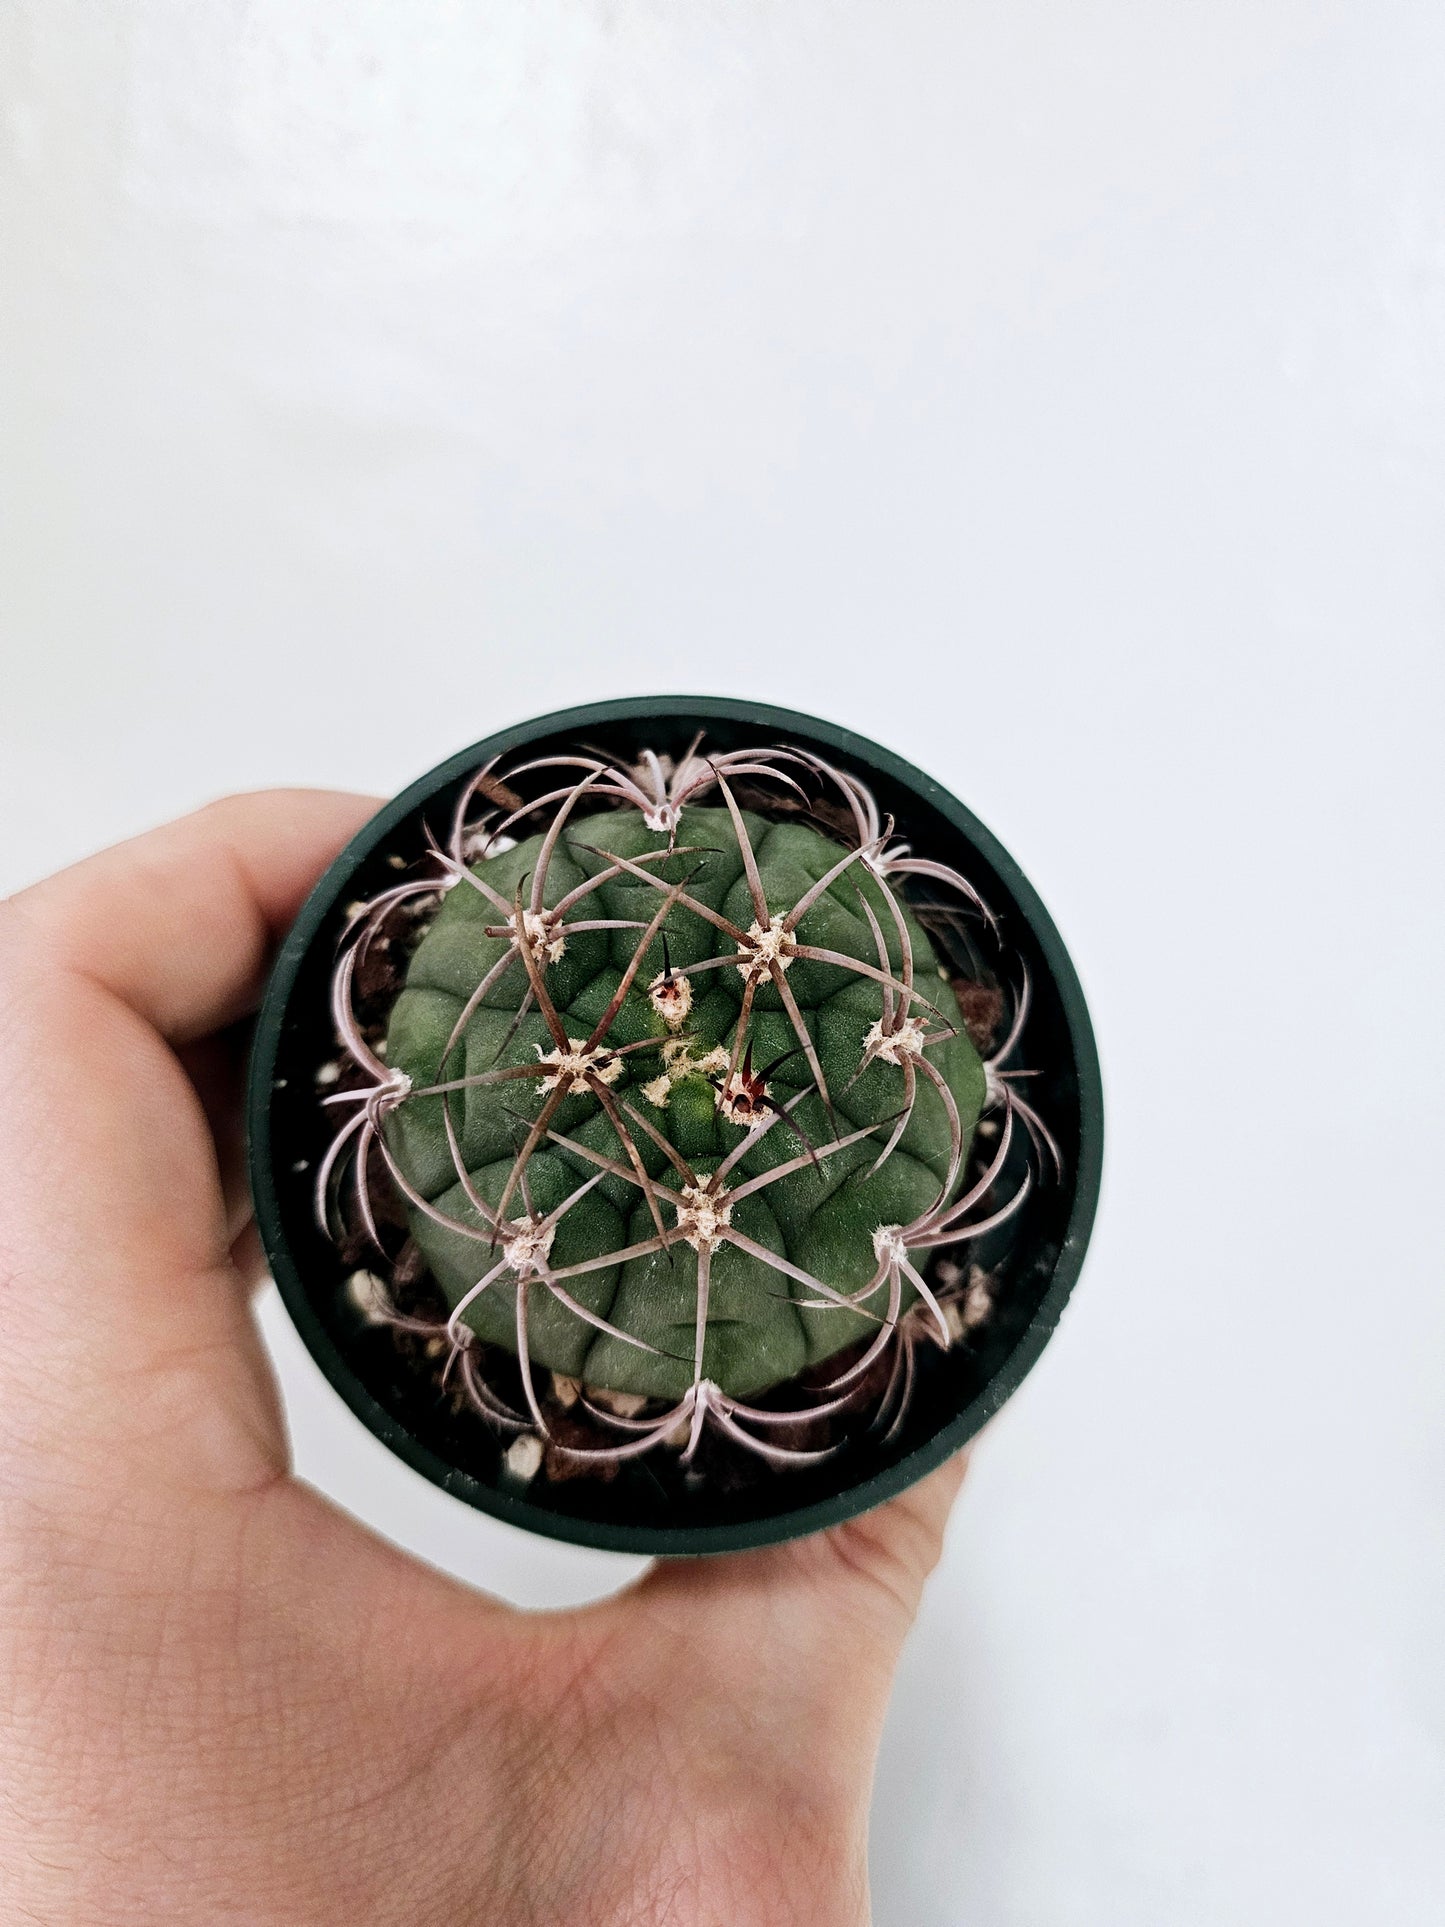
x,y
677,1096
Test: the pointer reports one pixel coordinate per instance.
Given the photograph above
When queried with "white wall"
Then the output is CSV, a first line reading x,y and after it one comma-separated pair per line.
x,y
1056,392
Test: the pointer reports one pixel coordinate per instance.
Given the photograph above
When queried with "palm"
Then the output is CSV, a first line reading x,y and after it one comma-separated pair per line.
x,y
230,1701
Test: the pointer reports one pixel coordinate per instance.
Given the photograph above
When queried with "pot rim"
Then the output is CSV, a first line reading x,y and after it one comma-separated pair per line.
x,y
848,1501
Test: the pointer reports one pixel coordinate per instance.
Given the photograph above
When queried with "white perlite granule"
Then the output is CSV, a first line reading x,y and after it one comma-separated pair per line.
x,y
522,1459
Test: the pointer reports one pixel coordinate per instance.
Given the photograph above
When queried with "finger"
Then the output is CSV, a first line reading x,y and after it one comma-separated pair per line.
x,y
796,1644
173,929
178,923
216,1066
248,1257
114,1235
869,1570
881,1560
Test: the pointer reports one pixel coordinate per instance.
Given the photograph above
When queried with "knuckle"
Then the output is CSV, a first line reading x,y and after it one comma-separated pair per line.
x,y
222,810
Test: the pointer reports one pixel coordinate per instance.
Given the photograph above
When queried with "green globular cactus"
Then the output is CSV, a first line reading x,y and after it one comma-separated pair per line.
x,y
678,1096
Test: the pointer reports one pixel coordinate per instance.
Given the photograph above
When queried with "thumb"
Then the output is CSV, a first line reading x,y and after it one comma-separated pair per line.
x,y
879,1562
873,1567
821,1619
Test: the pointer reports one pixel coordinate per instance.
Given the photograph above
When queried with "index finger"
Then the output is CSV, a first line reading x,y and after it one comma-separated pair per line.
x,y
179,923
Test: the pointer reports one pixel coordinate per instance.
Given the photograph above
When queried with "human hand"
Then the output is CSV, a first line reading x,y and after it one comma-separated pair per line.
x,y
223,1699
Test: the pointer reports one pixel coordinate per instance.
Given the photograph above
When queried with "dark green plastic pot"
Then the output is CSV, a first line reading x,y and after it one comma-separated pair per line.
x,y
1036,1260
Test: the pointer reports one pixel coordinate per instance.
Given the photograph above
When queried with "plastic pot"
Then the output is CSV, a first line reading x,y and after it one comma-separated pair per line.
x,y
1036,1260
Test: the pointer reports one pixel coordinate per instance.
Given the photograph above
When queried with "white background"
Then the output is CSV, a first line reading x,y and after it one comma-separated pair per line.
x,y
1055,392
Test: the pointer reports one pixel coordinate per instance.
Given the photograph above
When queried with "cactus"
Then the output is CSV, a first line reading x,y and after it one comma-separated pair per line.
x,y
677,1095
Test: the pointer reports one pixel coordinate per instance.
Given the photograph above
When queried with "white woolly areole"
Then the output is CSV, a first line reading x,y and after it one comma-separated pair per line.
x,y
905,1040
575,1065
671,998
702,1217
527,1247
739,1103
543,934
478,844
678,1062
678,1058
395,1086
766,947
888,1245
